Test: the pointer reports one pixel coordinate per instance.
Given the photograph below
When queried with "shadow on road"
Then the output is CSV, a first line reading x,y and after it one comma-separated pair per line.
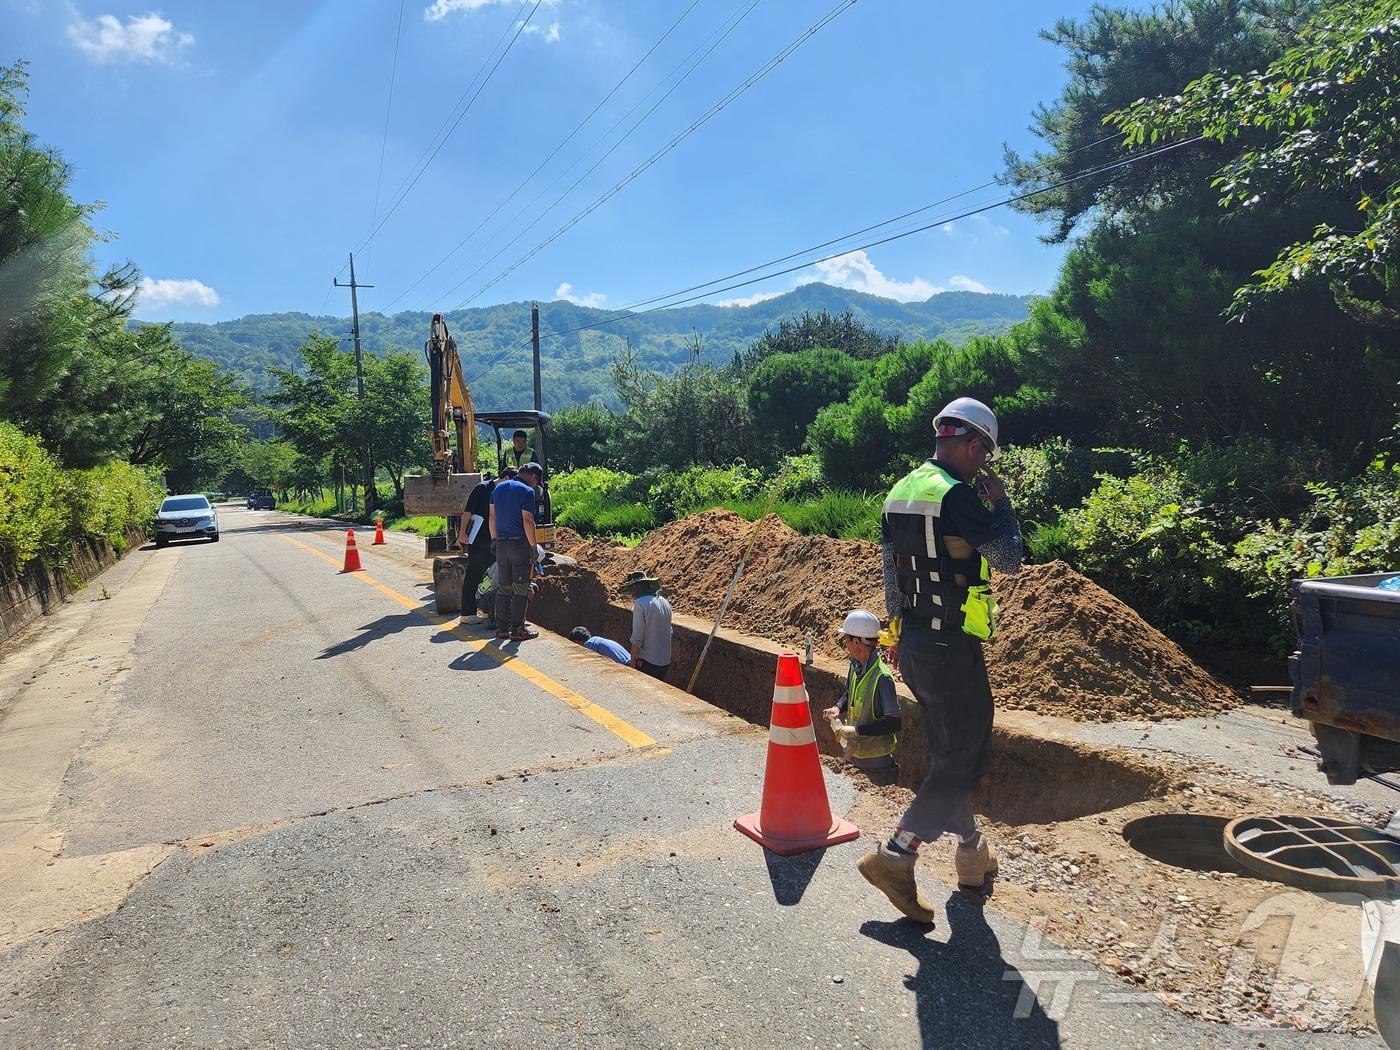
x,y
380,628
791,875
966,994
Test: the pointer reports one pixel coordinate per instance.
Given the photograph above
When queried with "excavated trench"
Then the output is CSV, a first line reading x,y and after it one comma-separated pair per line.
x,y
1033,780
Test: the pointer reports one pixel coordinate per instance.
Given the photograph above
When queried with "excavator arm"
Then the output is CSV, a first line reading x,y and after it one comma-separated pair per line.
x,y
452,435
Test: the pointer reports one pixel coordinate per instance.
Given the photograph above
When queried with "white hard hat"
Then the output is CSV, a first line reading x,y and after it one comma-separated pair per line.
x,y
861,624
965,413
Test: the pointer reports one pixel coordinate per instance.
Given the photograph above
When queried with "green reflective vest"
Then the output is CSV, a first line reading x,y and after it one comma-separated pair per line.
x,y
860,710
512,458
943,580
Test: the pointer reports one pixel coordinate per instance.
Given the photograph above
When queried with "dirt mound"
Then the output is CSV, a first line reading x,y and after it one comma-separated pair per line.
x,y
1065,645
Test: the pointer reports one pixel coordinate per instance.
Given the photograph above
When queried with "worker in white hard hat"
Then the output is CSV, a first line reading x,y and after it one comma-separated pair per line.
x,y
866,720
945,526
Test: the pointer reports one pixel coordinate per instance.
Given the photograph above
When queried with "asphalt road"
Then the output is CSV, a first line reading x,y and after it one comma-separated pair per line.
x,y
246,800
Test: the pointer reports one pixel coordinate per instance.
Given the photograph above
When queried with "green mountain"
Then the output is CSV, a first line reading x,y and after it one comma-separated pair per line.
x,y
494,340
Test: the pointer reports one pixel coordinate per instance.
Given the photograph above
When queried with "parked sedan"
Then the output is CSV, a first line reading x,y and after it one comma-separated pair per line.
x,y
186,517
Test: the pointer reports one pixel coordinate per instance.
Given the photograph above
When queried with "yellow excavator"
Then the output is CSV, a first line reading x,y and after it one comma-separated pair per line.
x,y
452,474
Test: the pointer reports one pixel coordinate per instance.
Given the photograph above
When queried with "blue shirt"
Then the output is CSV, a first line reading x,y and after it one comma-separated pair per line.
x,y
510,498
608,647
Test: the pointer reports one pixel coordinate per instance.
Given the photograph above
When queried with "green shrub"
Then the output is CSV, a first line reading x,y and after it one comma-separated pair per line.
x,y
699,488
44,508
801,478
1044,480
576,486
1252,479
1147,541
1347,530
1051,542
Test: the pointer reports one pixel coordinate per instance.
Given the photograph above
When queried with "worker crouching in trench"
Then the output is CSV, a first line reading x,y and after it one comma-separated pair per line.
x,y
866,720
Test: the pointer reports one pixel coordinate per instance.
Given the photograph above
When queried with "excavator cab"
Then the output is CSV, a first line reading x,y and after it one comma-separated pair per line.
x,y
536,425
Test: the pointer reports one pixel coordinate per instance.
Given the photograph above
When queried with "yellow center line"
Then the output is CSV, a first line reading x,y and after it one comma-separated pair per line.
x,y
624,731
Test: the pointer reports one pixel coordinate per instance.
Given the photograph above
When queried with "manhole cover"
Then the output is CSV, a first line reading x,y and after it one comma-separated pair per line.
x,y
1193,841
1317,853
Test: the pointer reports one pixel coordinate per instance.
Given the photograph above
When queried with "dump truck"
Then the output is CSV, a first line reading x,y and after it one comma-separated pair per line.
x,y
1346,672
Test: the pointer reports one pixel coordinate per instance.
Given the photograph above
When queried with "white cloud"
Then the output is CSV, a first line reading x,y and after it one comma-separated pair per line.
x,y
566,292
967,284
975,228
153,294
854,270
441,9
143,38
549,32
749,300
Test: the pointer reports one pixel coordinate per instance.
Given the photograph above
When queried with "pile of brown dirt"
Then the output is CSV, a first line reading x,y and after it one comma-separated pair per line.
x,y
1065,645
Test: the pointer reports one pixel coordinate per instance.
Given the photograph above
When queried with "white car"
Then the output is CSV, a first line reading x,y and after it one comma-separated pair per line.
x,y
186,517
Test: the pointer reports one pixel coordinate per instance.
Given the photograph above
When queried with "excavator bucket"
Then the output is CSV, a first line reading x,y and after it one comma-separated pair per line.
x,y
438,495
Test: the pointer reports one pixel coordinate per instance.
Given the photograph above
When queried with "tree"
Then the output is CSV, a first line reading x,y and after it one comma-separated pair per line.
x,y
1116,56
392,421
321,413
812,331
1319,122
697,417
314,407
886,424
579,435
787,390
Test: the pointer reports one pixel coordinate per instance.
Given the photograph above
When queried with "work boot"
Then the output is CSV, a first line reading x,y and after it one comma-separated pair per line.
x,y
892,874
523,633
976,866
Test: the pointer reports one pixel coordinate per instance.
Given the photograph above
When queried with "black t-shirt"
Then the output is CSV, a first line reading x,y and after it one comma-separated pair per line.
x,y
479,502
964,514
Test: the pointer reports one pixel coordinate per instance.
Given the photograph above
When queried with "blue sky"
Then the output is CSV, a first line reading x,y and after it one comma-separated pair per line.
x,y
237,146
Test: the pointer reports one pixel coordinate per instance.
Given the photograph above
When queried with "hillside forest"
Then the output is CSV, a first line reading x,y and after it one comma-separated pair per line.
x,y
1202,408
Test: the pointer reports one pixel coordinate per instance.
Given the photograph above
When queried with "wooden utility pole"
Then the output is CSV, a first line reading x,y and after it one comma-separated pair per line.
x,y
371,491
535,343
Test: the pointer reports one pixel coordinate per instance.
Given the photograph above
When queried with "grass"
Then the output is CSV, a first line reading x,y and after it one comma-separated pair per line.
x,y
422,524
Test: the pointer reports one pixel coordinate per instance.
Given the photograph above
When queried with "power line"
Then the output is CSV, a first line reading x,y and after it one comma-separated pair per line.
x,y
627,312
763,71
553,153
520,28
867,229
388,109
707,46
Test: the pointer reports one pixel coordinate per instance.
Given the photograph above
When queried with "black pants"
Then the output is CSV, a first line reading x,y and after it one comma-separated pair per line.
x,y
515,560
655,670
948,676
479,559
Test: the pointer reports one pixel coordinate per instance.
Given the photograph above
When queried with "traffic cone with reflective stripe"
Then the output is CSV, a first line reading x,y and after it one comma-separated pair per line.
x,y
352,553
794,816
378,532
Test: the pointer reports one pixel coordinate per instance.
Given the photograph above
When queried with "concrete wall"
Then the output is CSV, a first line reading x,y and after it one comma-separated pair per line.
x,y
1033,779
40,588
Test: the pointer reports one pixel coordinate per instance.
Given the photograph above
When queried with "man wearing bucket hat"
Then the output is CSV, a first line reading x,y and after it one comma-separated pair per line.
x,y
941,537
651,624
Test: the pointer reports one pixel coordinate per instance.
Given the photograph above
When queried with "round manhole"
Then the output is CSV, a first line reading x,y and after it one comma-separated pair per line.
x,y
1321,854
1184,840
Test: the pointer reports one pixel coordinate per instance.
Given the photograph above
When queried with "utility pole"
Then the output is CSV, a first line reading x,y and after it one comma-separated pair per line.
x,y
371,493
535,342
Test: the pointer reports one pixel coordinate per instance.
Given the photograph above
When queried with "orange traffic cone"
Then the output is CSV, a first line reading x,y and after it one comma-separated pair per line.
x,y
378,533
794,816
352,553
